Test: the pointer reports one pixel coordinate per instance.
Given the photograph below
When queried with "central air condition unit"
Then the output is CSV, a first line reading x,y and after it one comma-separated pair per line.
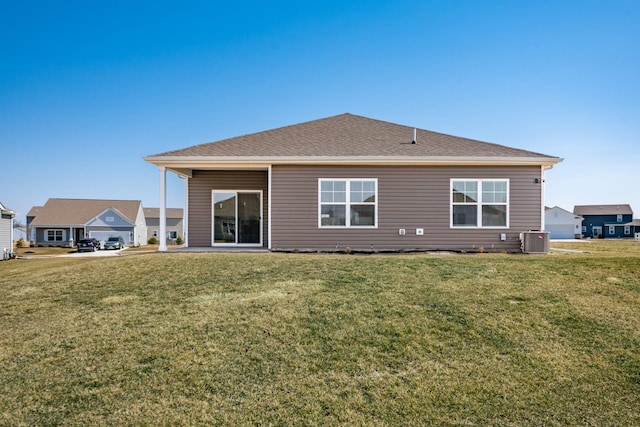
x,y
535,242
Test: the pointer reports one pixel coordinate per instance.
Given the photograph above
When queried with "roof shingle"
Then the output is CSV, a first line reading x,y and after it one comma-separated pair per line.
x,y
347,135
77,212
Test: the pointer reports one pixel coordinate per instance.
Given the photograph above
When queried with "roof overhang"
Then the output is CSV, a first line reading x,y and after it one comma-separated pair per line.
x,y
183,165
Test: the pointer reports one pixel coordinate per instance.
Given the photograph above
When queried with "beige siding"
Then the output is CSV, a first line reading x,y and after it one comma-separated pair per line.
x,y
200,187
409,198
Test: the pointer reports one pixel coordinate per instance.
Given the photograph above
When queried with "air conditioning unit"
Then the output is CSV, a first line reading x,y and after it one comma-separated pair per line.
x,y
535,242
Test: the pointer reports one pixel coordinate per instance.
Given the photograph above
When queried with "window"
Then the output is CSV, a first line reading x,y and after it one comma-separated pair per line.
x,y
348,202
627,229
612,230
619,218
155,233
479,203
55,235
173,234
110,219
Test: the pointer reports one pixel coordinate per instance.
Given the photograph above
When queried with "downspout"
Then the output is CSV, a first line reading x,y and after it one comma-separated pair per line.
x,y
542,196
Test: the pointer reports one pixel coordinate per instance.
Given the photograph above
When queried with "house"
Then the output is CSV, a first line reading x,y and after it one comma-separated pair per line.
x,y
353,183
605,221
62,222
6,231
562,224
175,228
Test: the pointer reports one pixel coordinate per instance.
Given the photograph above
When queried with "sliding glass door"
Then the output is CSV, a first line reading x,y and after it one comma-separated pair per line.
x,y
237,218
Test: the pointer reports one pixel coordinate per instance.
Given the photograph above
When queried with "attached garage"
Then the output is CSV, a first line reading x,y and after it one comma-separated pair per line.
x,y
104,235
562,224
561,231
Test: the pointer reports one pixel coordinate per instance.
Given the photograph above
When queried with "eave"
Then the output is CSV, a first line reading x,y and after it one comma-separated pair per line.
x,y
183,165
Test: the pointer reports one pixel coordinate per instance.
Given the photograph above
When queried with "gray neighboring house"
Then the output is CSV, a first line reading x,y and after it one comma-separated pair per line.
x,y
175,224
62,222
349,182
6,231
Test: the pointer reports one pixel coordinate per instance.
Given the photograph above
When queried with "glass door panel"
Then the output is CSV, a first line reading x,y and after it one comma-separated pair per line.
x,y
237,218
249,218
224,217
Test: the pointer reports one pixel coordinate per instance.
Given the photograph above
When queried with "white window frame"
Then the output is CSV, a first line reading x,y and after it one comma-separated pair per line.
x,y
619,218
347,203
627,230
62,232
479,204
612,230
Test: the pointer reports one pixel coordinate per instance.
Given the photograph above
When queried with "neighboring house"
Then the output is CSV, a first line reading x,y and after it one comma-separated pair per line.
x,y
62,222
562,224
6,231
605,221
175,227
352,183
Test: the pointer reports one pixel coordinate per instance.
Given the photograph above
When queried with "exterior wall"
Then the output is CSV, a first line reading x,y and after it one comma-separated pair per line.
x,y
408,197
201,185
603,221
41,236
140,231
6,226
173,224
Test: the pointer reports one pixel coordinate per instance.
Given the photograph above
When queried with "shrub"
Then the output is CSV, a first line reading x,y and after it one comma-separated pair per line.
x,y
152,241
20,243
179,241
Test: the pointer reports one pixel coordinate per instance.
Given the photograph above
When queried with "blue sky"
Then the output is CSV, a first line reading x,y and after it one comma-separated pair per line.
x,y
87,89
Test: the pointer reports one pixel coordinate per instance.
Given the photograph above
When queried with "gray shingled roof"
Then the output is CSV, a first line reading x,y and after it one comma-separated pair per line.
x,y
347,136
80,211
155,213
603,210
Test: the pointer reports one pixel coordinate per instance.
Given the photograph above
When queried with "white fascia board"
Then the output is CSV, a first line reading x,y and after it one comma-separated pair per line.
x,y
198,162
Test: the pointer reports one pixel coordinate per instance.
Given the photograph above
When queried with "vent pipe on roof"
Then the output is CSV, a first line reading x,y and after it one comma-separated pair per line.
x,y
415,139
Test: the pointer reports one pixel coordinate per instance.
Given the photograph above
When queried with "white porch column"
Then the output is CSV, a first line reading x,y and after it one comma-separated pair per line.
x,y
163,209
185,218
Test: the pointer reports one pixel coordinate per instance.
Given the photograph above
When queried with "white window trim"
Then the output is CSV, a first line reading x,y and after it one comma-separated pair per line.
x,y
479,204
46,234
347,204
627,230
612,229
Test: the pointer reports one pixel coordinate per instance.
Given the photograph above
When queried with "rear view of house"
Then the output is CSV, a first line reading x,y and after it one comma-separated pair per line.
x,y
353,183
62,222
175,225
6,231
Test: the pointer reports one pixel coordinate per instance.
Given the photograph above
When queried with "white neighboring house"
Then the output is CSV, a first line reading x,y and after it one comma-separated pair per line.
x,y
562,224
6,231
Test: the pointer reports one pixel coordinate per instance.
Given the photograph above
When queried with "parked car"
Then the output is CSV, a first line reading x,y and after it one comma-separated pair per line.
x,y
96,242
114,243
87,245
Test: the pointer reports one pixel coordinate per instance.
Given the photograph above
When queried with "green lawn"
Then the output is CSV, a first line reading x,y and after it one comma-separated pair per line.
x,y
290,339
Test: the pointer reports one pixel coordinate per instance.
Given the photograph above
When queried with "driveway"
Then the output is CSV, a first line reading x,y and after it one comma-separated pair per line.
x,y
110,252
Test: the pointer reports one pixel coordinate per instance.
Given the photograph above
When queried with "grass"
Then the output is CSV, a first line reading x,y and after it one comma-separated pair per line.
x,y
288,339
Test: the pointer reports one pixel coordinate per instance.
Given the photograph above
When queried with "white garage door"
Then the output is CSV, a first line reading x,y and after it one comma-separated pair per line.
x,y
104,235
561,231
